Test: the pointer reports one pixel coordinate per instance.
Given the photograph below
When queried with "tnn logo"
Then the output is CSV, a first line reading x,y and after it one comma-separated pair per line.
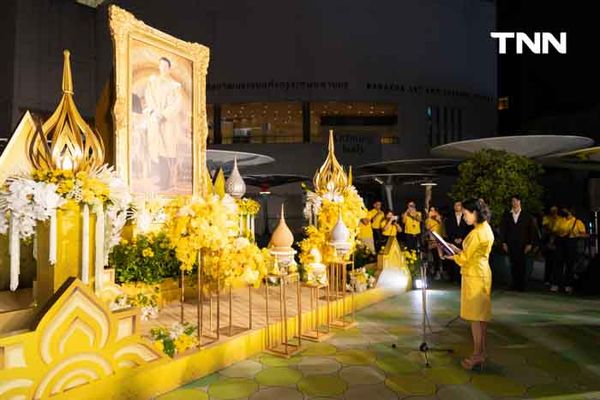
x,y
540,43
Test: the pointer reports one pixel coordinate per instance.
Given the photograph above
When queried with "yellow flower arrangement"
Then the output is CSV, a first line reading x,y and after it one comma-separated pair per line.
x,y
352,210
241,263
200,224
248,206
84,186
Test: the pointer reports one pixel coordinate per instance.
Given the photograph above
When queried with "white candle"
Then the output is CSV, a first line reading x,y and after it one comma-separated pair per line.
x,y
99,250
85,244
52,240
15,255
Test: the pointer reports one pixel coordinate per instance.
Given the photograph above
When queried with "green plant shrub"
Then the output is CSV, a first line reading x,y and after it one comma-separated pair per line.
x,y
495,176
148,259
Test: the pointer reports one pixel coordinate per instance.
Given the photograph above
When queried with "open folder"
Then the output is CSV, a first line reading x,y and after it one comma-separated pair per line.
x,y
442,244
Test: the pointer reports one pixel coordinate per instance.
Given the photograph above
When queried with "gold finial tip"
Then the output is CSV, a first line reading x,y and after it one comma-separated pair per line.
x,y
67,82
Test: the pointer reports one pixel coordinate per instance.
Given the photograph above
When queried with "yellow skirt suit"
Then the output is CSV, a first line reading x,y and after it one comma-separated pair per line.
x,y
476,289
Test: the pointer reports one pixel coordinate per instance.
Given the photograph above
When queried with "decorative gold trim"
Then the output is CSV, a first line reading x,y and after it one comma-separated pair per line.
x,y
65,140
331,177
124,27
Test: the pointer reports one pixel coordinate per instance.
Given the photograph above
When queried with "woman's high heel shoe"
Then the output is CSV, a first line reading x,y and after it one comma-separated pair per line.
x,y
473,363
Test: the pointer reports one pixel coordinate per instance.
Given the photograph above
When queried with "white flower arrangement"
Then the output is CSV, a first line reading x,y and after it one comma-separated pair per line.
x,y
29,199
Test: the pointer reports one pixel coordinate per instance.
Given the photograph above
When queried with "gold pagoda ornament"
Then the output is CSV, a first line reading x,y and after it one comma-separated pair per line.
x,y
331,177
65,141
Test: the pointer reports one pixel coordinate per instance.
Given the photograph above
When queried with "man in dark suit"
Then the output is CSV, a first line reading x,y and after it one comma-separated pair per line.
x,y
456,231
518,234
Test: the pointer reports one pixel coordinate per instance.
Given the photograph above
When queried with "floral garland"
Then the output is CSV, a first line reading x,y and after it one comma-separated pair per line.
x,y
28,199
176,339
200,224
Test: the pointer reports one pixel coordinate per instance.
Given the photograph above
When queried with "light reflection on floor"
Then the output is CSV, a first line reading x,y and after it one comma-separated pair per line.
x,y
541,345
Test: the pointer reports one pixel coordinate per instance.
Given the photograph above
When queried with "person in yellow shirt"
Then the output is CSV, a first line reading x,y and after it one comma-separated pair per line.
x,y
411,218
569,231
476,288
365,233
434,223
376,215
390,227
549,224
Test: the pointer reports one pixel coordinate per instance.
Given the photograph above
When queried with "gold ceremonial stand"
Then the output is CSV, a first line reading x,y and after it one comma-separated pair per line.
x,y
213,334
337,279
315,333
284,347
230,328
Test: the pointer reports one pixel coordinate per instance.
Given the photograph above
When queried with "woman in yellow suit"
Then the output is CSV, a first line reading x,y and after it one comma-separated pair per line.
x,y
475,293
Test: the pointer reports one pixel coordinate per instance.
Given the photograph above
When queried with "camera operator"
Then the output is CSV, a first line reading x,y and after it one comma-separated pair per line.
x,y
390,226
411,218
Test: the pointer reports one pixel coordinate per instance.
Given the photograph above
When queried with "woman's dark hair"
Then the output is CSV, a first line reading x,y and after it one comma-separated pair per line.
x,y
478,206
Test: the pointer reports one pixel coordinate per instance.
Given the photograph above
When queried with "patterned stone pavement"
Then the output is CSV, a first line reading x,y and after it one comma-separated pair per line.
x,y
540,345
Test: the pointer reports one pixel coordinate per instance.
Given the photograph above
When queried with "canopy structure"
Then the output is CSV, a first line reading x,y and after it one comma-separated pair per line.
x,y
224,159
586,159
532,146
273,180
435,166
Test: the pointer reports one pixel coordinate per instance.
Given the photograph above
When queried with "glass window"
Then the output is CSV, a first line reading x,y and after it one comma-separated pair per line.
x,y
358,117
445,125
428,113
262,122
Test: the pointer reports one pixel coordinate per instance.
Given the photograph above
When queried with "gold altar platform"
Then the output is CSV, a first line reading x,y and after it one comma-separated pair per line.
x,y
152,379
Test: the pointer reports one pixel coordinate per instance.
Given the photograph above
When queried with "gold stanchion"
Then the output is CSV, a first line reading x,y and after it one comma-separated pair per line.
x,y
213,337
182,297
284,347
199,299
315,333
339,271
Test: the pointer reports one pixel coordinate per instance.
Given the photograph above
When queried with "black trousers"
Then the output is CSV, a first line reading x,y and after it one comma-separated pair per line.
x,y
378,239
565,263
518,266
411,241
550,260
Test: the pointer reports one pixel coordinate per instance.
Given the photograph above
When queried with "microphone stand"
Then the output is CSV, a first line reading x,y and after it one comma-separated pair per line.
x,y
425,323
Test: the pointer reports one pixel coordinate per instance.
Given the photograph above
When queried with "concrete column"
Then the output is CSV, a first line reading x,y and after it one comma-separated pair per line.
x,y
388,195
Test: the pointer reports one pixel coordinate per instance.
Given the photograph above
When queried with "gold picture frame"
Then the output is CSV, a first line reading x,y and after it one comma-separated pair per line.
x,y
132,37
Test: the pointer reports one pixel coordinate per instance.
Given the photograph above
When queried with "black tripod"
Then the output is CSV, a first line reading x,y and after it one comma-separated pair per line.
x,y
425,323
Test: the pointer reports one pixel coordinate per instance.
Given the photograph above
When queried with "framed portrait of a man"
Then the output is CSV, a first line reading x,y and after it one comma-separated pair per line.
x,y
160,109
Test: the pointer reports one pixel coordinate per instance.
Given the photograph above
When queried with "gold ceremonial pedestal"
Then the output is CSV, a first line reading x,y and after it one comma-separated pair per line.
x,y
338,273
284,347
315,333
69,239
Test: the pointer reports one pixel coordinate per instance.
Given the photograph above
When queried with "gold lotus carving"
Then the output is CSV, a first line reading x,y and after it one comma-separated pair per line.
x,y
76,342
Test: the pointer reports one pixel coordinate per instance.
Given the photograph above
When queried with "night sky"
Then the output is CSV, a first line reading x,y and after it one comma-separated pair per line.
x,y
553,93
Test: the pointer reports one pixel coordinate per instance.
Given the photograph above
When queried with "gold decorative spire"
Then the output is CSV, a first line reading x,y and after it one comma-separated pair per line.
x,y
331,176
65,140
282,237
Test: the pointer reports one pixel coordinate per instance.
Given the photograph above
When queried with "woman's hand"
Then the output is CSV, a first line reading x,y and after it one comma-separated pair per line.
x,y
454,248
